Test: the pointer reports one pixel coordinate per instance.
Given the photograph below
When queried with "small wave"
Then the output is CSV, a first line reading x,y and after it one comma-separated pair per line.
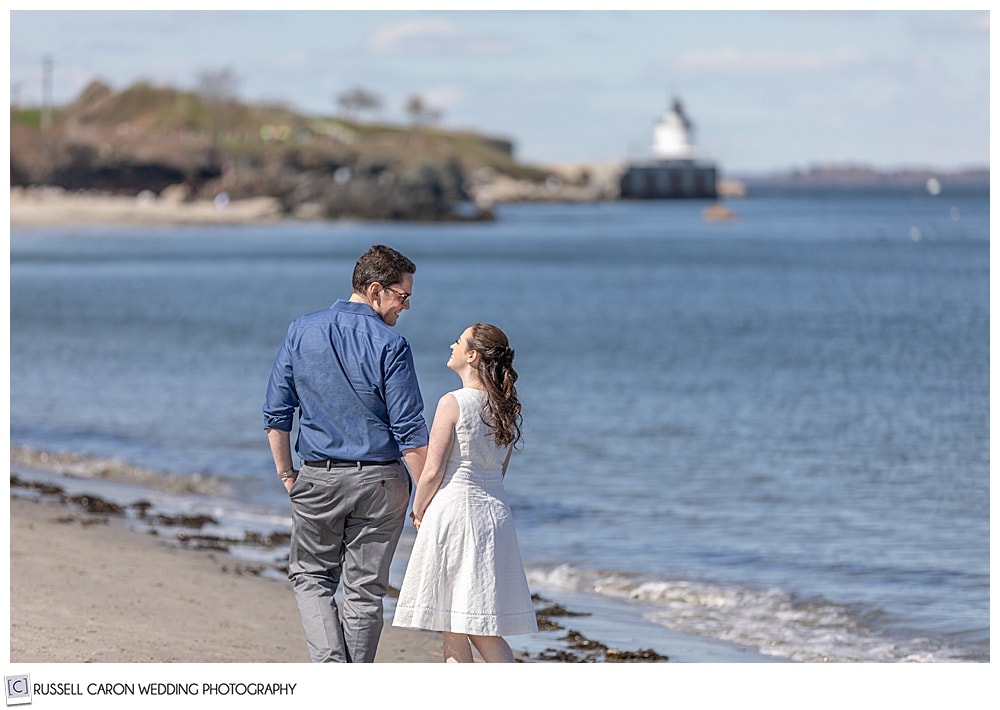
x,y
83,466
769,620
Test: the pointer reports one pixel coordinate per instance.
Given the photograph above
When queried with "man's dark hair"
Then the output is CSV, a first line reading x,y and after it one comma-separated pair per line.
x,y
380,264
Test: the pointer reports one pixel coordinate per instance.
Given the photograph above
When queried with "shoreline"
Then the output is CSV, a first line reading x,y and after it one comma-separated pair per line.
x,y
83,590
67,512
52,207
167,562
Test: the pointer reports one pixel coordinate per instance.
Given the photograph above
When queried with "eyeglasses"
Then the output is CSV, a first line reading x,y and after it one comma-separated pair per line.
x,y
403,295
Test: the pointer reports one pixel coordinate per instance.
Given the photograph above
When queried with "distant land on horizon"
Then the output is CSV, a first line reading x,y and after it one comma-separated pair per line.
x,y
145,129
832,176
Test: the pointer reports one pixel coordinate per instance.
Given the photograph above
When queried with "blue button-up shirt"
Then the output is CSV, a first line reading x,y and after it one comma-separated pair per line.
x,y
352,380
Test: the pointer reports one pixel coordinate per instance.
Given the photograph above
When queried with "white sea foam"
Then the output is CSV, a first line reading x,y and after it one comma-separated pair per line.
x,y
169,494
769,620
82,466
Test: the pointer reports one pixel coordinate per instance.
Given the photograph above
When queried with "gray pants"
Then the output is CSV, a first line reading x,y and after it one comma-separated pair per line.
x,y
346,523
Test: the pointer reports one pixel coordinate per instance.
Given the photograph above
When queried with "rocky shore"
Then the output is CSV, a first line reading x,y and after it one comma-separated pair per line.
x,y
51,206
156,154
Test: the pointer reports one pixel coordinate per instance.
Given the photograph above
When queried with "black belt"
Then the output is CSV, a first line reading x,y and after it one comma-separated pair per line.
x,y
340,463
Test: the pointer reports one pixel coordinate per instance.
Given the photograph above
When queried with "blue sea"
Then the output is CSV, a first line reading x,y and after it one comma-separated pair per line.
x,y
768,436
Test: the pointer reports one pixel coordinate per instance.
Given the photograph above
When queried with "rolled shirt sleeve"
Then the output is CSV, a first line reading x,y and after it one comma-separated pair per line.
x,y
280,401
404,402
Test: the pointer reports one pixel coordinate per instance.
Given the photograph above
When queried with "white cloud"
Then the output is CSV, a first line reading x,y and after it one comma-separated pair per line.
x,y
433,37
402,37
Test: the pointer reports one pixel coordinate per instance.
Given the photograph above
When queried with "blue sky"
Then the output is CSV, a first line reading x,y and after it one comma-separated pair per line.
x,y
767,90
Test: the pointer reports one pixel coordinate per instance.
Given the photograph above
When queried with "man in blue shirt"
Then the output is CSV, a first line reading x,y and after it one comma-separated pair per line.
x,y
350,378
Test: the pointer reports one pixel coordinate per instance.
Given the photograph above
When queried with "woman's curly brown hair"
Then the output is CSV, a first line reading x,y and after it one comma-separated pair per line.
x,y
502,411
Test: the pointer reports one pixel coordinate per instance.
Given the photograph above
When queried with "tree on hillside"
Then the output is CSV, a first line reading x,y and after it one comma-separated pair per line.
x,y
217,88
420,112
356,100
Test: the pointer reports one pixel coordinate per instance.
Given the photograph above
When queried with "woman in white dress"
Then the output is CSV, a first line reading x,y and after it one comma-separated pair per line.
x,y
465,577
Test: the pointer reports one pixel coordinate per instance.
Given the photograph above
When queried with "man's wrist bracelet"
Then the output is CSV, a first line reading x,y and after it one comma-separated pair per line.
x,y
290,473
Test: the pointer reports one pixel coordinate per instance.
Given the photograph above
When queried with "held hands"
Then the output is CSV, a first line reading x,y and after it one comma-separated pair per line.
x,y
415,519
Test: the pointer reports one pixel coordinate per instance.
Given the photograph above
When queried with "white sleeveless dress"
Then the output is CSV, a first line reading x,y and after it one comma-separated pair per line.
x,y
465,572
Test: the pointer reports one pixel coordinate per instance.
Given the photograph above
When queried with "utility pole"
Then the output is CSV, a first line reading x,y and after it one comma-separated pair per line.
x,y
46,93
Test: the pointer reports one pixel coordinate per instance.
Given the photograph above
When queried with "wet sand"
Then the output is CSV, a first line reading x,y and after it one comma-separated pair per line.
x,y
83,590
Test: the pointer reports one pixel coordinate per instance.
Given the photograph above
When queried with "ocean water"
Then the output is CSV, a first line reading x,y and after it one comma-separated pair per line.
x,y
771,433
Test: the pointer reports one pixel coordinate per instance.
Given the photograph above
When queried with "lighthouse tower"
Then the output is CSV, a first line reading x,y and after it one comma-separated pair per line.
x,y
673,136
672,172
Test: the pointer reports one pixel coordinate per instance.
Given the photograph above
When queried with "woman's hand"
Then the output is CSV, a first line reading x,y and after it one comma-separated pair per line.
x,y
416,520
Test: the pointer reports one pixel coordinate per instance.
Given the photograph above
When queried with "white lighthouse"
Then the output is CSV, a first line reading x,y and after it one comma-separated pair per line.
x,y
673,136
672,172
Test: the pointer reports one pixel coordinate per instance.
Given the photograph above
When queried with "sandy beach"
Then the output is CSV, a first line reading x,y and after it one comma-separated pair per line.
x,y
85,591
96,579
49,206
